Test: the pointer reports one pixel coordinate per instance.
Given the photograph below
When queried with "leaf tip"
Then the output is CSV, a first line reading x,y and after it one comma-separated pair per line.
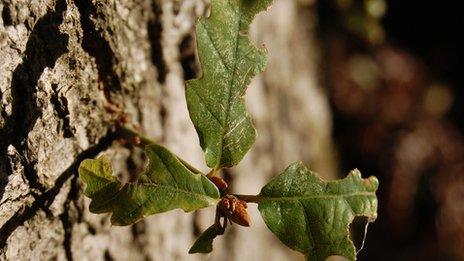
x,y
204,243
356,173
373,182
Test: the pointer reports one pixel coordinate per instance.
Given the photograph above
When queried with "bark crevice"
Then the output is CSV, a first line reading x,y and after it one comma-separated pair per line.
x,y
60,104
155,30
45,45
95,44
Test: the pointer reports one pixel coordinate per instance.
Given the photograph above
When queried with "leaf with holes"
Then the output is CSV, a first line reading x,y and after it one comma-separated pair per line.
x,y
167,183
228,60
311,215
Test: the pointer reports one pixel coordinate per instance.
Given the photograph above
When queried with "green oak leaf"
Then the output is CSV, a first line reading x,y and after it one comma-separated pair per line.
x,y
204,243
167,183
311,215
228,60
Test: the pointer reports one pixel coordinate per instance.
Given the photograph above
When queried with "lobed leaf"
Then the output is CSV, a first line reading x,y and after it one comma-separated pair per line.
x,y
228,61
311,215
167,183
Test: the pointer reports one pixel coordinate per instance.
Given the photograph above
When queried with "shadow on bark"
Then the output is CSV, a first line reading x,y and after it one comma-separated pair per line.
x,y
43,201
155,30
45,45
99,48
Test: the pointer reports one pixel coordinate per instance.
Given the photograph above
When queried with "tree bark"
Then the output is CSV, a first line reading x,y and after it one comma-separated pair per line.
x,y
71,70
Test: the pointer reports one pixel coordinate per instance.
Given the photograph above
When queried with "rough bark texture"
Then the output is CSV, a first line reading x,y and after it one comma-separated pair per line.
x,y
71,69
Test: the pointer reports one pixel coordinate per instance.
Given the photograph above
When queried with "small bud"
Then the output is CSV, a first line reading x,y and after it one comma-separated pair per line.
x,y
240,215
220,183
136,140
224,204
235,210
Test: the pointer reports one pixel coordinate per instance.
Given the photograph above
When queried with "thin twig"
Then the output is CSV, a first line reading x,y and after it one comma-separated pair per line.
x,y
249,198
140,140
132,135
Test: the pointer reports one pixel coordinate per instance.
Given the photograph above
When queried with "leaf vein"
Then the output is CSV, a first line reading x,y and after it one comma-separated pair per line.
x,y
215,48
308,226
231,83
207,107
264,198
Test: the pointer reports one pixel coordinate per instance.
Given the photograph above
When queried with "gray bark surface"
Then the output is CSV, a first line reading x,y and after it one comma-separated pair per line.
x,y
70,70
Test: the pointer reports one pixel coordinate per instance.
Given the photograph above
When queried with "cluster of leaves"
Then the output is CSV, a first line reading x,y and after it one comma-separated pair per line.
x,y
306,213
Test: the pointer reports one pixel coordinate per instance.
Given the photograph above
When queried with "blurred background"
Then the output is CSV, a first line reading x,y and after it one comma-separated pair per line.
x,y
393,73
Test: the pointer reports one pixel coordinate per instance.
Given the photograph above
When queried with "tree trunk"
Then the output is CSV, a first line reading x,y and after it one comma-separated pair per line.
x,y
71,70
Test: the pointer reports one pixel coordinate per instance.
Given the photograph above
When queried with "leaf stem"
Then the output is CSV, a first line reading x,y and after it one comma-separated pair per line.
x,y
135,137
213,172
140,140
249,198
